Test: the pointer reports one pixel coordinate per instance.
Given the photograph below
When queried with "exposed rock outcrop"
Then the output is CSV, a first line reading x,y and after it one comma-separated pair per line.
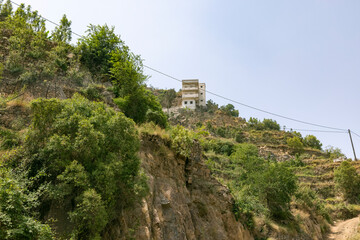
x,y
185,201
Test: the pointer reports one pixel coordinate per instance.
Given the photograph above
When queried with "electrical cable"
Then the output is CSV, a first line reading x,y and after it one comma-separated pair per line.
x,y
315,130
355,134
162,73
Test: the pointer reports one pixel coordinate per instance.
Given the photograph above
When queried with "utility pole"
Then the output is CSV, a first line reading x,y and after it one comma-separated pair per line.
x,y
352,144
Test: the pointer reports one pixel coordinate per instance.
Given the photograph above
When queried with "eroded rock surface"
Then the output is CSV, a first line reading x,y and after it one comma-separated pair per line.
x,y
185,201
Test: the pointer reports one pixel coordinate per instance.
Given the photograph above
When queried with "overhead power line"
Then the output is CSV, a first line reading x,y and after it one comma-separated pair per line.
x,y
220,96
356,134
315,130
162,73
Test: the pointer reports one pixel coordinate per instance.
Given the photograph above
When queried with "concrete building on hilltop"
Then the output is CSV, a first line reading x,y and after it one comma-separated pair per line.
x,y
193,94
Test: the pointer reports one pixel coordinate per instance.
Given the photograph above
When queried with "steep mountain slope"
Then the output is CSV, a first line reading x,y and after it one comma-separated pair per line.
x,y
184,202
317,202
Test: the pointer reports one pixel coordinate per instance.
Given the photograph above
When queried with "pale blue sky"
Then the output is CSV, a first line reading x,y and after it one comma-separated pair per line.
x,y
300,59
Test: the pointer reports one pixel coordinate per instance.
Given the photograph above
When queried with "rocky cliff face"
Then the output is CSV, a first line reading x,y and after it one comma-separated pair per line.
x,y
185,201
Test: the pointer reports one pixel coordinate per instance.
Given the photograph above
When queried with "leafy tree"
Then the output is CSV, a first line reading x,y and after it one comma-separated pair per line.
x,y
96,48
211,106
297,134
267,187
132,97
266,124
280,184
255,124
17,206
21,13
230,110
157,117
90,216
348,181
36,22
6,10
333,152
296,144
271,124
137,105
126,72
89,154
168,98
62,33
312,141
26,47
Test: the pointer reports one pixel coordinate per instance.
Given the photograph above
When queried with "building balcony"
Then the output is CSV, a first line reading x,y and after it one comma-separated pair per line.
x,y
190,96
186,88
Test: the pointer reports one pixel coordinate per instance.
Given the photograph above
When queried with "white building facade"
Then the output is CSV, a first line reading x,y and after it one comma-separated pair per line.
x,y
193,93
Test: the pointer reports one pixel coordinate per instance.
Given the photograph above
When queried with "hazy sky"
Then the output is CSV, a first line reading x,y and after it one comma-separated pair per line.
x,y
300,59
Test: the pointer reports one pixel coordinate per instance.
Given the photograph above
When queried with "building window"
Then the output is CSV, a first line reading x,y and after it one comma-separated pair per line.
x,y
201,86
202,100
185,102
201,93
191,102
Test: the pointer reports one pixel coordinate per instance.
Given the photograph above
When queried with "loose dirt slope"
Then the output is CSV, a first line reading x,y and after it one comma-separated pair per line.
x,y
344,230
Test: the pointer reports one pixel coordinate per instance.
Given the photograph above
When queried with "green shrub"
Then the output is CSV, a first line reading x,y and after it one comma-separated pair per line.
x,y
280,184
240,137
218,146
157,117
92,92
221,131
211,106
333,153
8,139
90,215
266,124
345,211
309,199
210,127
268,185
17,209
348,181
230,110
96,48
167,98
312,141
89,154
182,140
254,123
296,144
136,105
224,148
297,161
270,124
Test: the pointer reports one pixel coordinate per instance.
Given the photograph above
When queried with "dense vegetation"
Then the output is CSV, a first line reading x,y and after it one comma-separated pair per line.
x,y
73,149
78,154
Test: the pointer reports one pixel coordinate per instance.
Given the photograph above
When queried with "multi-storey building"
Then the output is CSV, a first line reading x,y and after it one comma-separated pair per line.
x,y
193,93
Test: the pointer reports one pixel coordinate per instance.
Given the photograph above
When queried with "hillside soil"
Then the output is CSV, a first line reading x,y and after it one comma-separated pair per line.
x,y
344,230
